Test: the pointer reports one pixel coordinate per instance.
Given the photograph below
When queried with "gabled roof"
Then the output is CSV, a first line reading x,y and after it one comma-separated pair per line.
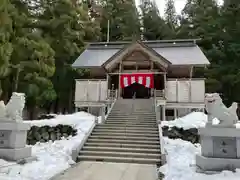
x,y
177,52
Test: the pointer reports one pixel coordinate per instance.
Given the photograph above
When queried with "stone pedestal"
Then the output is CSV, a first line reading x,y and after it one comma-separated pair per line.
x,y
13,137
220,148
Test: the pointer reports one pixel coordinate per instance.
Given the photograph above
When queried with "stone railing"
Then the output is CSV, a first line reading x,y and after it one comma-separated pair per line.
x,y
159,93
112,94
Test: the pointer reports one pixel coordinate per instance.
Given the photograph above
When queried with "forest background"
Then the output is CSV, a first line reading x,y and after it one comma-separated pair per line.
x,y
40,39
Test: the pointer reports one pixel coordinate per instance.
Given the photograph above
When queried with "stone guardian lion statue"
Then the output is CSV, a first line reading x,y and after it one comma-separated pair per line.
x,y
216,108
14,108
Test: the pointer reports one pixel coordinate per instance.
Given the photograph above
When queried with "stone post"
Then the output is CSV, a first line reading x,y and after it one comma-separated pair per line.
x,y
13,131
103,114
164,113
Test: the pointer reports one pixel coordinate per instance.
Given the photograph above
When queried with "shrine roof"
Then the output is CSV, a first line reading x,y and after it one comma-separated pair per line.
x,y
177,52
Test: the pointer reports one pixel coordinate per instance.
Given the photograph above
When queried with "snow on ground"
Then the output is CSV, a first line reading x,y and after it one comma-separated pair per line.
x,y
192,120
53,157
181,163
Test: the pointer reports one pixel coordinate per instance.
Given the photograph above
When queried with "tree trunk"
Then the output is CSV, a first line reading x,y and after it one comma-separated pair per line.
x,y
70,100
15,87
33,113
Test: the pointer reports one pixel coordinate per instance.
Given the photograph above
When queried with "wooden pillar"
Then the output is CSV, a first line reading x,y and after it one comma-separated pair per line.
x,y
165,84
108,82
190,84
177,99
151,66
119,88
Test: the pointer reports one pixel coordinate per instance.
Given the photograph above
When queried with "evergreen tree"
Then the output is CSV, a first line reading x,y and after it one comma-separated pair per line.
x,y
229,69
32,59
154,27
123,19
5,44
171,15
201,19
65,26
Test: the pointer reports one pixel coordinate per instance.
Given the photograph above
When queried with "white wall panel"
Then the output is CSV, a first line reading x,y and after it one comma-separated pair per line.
x,y
186,91
171,93
183,91
92,90
198,90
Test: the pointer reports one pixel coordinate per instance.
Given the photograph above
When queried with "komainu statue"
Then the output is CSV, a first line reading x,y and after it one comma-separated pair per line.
x,y
216,109
14,108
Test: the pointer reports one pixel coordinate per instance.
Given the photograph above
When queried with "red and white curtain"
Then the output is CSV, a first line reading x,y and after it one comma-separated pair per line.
x,y
144,79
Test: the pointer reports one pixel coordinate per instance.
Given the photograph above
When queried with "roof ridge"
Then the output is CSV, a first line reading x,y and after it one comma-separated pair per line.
x,y
146,41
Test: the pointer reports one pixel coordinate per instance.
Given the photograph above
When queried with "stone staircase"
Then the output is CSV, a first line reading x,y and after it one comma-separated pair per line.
x,y
129,135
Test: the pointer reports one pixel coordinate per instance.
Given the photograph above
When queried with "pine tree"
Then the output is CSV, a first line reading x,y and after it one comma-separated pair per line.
x,y
32,59
154,27
5,44
171,15
231,47
65,26
123,19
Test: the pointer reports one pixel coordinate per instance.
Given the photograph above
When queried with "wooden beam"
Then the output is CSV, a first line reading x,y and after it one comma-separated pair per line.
x,y
151,65
139,72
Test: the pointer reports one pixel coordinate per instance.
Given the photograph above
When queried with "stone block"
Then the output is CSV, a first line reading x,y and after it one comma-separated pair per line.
x,y
219,132
224,147
13,135
216,164
15,154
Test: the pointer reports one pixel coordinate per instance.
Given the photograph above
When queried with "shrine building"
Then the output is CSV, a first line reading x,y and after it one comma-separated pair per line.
x,y
162,70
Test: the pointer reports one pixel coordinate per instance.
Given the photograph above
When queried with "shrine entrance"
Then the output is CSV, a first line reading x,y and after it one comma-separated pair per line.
x,y
137,91
136,85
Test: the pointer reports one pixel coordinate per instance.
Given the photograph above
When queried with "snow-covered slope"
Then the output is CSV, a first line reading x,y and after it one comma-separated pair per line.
x,y
53,157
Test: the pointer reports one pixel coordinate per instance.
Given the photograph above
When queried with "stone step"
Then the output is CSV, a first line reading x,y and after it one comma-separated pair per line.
x,y
119,160
121,149
131,125
131,120
125,134
119,111
112,137
122,145
127,111
125,120
141,128
125,131
126,141
120,154
131,117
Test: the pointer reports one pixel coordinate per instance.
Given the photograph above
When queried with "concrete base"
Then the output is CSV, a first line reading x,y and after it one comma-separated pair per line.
x,y
216,164
15,154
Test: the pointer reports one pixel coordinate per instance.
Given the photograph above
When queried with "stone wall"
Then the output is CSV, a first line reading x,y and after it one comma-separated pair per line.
x,y
48,133
179,133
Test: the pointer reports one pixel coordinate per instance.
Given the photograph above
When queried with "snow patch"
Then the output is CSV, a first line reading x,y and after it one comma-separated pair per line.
x,y
53,157
181,163
192,120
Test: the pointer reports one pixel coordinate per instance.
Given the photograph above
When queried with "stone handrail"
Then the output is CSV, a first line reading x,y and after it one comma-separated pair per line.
x,y
113,99
160,133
